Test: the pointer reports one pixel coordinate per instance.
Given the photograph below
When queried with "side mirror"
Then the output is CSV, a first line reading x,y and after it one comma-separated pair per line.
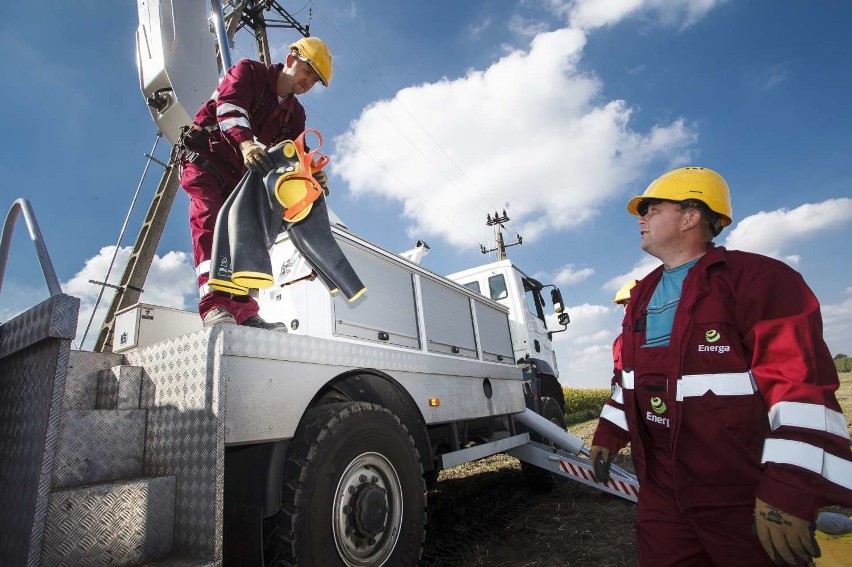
x,y
556,299
563,320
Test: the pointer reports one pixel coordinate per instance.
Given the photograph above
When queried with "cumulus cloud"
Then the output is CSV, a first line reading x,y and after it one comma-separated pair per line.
x,y
584,350
773,232
569,275
837,323
170,283
551,148
589,14
641,269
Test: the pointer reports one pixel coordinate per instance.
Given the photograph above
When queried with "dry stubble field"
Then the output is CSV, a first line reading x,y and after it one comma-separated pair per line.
x,y
482,514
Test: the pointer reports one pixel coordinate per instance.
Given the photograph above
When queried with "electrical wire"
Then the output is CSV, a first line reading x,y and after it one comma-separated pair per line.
x,y
528,248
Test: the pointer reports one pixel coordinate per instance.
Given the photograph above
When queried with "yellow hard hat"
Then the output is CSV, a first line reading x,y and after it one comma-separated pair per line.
x,y
622,296
315,53
690,184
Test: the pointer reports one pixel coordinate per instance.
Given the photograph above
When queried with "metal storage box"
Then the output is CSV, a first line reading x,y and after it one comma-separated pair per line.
x,y
144,324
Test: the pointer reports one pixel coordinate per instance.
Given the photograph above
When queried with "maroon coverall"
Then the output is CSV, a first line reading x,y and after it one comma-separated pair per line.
x,y
245,106
739,405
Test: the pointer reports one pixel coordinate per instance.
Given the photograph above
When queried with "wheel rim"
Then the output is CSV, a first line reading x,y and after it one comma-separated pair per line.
x,y
367,514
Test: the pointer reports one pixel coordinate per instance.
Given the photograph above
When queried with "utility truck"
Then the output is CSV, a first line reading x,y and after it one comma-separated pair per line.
x,y
174,444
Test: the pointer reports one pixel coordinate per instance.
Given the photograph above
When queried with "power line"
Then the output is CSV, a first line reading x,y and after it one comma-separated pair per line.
x,y
530,250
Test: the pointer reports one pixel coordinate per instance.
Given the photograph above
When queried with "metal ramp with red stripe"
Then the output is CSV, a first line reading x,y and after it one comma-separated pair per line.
x,y
622,483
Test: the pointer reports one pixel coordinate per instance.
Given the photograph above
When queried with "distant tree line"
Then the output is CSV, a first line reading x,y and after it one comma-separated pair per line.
x,y
843,363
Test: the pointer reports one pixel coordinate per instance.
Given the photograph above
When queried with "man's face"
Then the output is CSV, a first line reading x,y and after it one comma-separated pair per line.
x,y
660,225
302,75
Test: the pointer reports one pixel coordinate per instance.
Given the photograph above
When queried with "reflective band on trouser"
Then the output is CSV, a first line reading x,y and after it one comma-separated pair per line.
x,y
203,290
627,379
614,415
227,107
202,268
785,451
617,394
725,384
810,416
226,125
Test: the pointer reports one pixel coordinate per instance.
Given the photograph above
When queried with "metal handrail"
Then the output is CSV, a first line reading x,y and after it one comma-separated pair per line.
x,y
23,205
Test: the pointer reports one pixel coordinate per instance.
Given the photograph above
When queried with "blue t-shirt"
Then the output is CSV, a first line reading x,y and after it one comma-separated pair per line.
x,y
663,304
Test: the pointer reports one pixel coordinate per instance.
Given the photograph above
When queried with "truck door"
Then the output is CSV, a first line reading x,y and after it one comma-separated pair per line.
x,y
534,316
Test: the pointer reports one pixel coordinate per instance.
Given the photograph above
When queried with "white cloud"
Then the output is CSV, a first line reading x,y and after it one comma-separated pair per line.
x,y
507,125
568,275
584,350
589,14
837,324
772,232
170,283
641,269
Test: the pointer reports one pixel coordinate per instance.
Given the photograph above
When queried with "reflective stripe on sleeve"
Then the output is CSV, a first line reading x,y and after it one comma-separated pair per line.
x,y
810,416
627,379
203,290
833,469
202,268
617,394
226,125
728,384
227,107
614,415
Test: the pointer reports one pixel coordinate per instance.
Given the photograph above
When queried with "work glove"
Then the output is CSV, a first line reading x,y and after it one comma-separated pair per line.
x,y
322,179
601,460
788,539
255,157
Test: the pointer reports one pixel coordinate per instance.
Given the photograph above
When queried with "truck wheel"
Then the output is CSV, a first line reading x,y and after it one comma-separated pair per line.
x,y
537,478
353,494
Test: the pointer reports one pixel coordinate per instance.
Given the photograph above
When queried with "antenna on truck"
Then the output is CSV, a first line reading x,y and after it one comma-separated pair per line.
x,y
497,222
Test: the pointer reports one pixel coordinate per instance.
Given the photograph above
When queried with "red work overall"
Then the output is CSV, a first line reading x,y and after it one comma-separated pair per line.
x,y
668,536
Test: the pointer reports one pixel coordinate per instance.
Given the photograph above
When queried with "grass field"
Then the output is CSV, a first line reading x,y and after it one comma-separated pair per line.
x,y
482,514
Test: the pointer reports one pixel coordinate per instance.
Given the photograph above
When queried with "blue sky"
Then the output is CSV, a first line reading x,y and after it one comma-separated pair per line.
x,y
440,112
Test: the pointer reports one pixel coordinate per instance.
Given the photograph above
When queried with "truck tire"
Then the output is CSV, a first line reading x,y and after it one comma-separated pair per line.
x,y
353,493
537,478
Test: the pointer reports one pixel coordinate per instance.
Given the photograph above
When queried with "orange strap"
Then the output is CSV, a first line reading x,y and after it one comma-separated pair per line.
x,y
310,162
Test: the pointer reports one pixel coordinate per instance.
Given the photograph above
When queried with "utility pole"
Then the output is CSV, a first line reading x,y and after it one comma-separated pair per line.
x,y
497,222
247,14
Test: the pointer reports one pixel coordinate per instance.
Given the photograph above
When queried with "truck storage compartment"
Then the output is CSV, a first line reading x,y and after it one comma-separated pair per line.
x,y
449,322
495,339
387,313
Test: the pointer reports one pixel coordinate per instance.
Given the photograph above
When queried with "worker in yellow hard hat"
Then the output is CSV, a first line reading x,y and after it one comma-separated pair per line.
x,y
622,296
254,107
725,393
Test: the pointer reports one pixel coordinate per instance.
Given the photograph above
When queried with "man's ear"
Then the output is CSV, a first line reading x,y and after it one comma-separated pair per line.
x,y
691,219
290,60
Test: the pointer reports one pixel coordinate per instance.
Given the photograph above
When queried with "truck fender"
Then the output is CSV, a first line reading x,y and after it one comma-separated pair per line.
x,y
375,387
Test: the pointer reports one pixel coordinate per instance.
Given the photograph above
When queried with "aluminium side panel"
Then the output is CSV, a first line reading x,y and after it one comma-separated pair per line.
x,y
494,336
270,378
387,311
449,323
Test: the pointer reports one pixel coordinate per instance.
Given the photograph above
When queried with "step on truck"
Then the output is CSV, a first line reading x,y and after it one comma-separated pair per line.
x,y
177,445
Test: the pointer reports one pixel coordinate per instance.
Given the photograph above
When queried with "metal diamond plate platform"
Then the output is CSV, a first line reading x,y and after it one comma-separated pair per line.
x,y
99,445
34,353
114,525
186,435
82,384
